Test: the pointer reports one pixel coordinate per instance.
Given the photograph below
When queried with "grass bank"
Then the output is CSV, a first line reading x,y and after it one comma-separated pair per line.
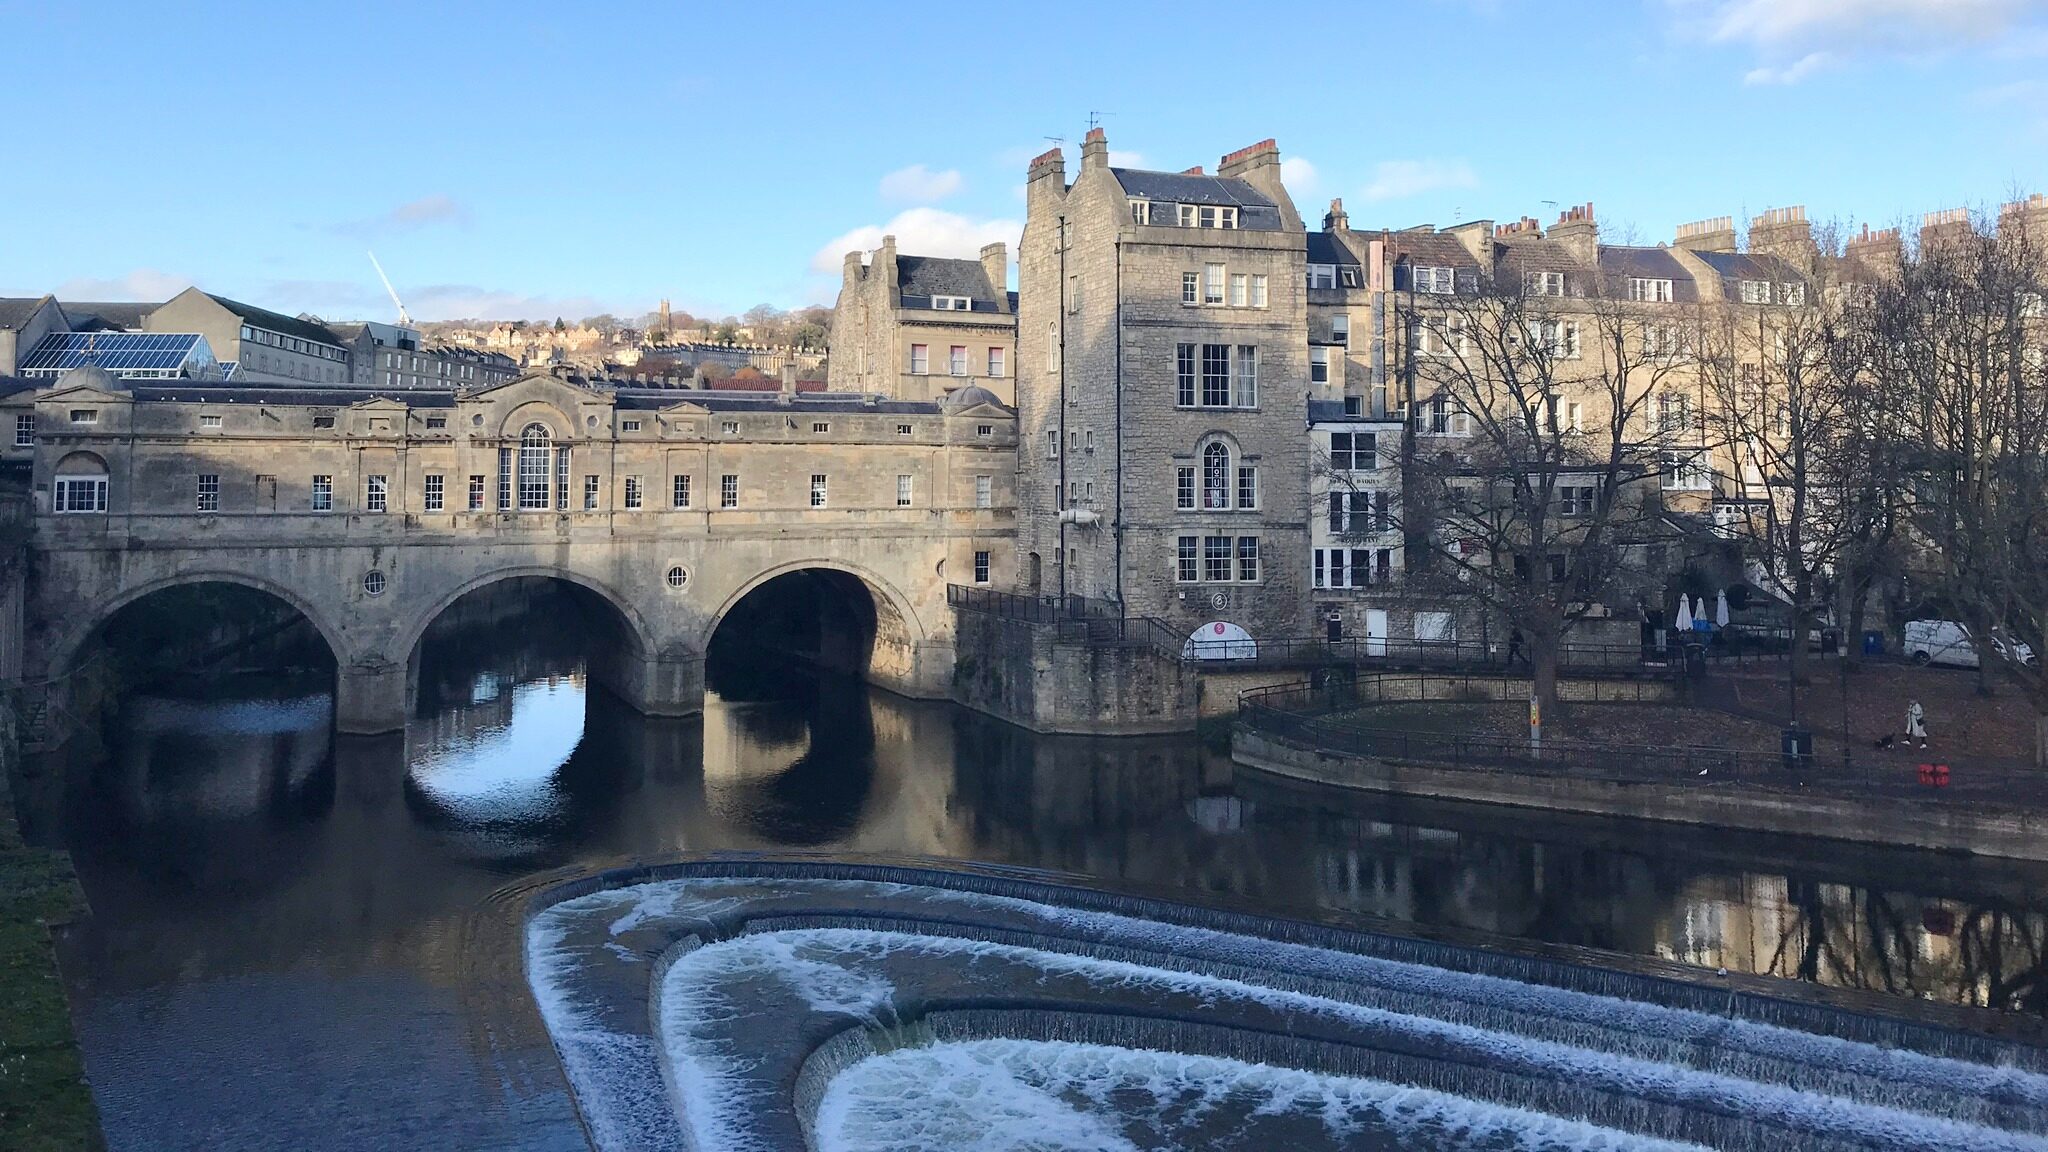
x,y
44,1102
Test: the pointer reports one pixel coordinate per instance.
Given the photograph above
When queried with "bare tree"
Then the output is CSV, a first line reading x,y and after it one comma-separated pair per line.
x,y
1536,466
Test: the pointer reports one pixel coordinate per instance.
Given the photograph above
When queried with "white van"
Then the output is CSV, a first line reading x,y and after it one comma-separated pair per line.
x,y
1940,642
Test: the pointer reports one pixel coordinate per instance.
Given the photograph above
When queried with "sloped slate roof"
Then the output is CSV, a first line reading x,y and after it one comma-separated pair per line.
x,y
1748,266
16,311
278,321
1650,264
294,397
124,315
1328,248
1433,249
1256,210
942,276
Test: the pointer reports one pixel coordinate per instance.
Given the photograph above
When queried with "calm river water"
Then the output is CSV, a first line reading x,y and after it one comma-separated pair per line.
x,y
301,943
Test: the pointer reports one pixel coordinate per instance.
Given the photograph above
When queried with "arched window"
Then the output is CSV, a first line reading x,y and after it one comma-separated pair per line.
x,y
80,484
536,466
1215,477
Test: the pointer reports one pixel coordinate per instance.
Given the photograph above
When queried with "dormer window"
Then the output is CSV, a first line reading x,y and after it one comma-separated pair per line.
x,y
1322,275
1184,214
1141,211
1544,284
1649,290
952,304
1434,279
1215,217
1349,274
1792,295
1756,291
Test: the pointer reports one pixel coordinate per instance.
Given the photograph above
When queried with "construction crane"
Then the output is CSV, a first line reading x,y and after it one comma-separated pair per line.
x,y
403,319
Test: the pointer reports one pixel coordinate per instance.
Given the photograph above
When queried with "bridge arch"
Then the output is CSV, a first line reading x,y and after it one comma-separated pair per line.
x,y
637,627
897,650
64,651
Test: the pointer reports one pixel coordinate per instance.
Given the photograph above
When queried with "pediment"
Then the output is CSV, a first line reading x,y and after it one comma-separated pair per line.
x,y
379,404
537,385
84,393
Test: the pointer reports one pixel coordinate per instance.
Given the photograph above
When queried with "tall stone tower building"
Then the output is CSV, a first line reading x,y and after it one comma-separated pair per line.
x,y
1162,389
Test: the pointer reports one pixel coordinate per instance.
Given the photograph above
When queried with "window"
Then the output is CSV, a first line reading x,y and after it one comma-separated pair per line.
x,y
817,489
504,479
981,567
436,492
209,492
1575,500
1141,211
629,425
476,493
1665,342
677,577
728,491
1185,570
373,583
984,491
1686,472
729,428
1215,477
1240,289
1088,440
1355,405
1354,451
1073,293
1445,418
1216,558
1248,559
1340,329
679,495
1674,412
1246,382
1052,443
562,478
590,492
1558,339
1258,290
1184,215
1190,287
1574,416
920,359
1654,291
1212,284
1756,291
437,423
536,466
953,303
1052,346
1319,365
956,360
79,494
1434,279
1792,295
1543,284
633,494
323,493
1247,488
1184,488
378,495
987,430
1215,375
1184,379
903,491
820,427
995,363
903,429
25,430
209,421
85,415
323,421
1322,276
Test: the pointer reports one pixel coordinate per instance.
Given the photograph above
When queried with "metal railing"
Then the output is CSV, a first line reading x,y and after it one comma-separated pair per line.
x,y
1336,717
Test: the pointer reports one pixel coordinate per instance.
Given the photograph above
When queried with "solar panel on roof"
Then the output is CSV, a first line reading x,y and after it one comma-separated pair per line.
x,y
131,355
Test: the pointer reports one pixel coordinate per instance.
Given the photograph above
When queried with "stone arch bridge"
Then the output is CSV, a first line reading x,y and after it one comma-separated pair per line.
x,y
372,514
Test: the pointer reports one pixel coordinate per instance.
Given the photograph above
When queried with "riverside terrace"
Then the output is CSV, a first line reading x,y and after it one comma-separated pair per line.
x,y
760,1004
1329,733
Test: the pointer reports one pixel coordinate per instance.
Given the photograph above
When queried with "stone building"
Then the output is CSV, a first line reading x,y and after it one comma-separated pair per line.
x,y
265,347
393,356
24,322
1163,384
918,327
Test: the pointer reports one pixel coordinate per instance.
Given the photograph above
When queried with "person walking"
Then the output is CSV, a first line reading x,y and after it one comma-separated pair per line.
x,y
1916,723
1514,647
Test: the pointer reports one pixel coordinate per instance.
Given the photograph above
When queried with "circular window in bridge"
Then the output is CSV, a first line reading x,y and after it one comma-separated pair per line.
x,y
678,578
373,583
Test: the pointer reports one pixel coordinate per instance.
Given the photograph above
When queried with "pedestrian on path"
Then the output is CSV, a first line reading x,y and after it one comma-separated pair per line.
x,y
1515,647
1916,723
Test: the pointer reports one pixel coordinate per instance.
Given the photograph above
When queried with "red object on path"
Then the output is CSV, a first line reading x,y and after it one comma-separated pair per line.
x,y
1934,775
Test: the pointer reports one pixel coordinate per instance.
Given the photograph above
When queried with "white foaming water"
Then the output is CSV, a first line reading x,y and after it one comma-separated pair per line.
x,y
1058,1096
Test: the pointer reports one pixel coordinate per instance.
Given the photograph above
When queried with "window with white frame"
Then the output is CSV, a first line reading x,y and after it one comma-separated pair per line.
x,y
476,492
1052,443
323,494
1247,559
25,430
436,492
629,425
78,493
209,420
1445,418
634,494
1245,383
1218,217
1575,499
817,489
1184,375
209,492
536,466
679,491
820,427
1240,289
1674,412
1248,488
1319,365
903,429
1215,375
1558,339
1755,291
1649,289
1212,284
903,483
590,492
1434,279
996,357
85,415
1052,346
728,491
1792,294
1665,342
1687,471
1141,211
1187,559
1258,289
1191,287
956,360
729,428
985,431
1216,556
981,565
1184,488
952,303
920,359
1322,275
1215,478
984,491
377,494
1543,284
1184,215
1340,329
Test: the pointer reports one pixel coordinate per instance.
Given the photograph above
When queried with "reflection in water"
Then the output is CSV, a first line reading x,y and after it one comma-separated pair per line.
x,y
262,891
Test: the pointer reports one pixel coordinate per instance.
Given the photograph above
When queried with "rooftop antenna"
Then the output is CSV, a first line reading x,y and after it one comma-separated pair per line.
x,y
403,319
1095,118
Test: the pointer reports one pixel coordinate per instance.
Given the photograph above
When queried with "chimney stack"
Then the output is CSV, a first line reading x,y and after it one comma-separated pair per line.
x,y
1524,229
788,378
1047,176
1946,225
2029,215
1576,230
1336,219
1094,150
995,264
1876,249
1259,166
1784,233
1713,235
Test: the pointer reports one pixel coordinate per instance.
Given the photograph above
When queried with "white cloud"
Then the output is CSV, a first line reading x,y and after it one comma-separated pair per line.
x,y
411,216
918,184
1399,179
921,232
140,284
1126,159
1299,175
1795,39
1791,73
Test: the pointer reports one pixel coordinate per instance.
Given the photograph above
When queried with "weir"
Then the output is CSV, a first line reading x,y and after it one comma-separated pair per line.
x,y
764,1004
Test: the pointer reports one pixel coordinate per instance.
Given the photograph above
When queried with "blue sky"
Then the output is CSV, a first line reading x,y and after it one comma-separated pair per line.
x,y
534,160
